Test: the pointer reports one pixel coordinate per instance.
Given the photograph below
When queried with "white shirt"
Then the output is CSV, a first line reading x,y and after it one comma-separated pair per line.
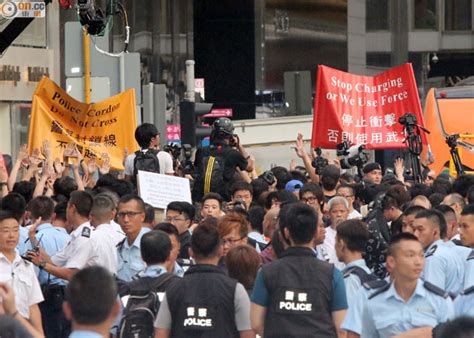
x,y
354,214
117,228
164,158
80,252
21,277
327,250
106,239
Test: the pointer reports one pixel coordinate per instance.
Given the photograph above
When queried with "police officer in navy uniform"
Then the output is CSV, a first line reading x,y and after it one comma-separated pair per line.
x,y
408,304
205,302
298,295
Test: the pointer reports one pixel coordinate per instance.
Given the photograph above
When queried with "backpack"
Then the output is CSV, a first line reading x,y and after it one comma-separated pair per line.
x,y
211,175
146,161
361,273
142,307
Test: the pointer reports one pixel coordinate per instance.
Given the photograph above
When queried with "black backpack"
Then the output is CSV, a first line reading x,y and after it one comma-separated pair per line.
x,y
146,161
361,273
142,306
211,175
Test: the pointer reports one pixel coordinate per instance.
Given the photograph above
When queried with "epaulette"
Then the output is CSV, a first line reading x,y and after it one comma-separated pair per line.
x,y
471,255
431,251
120,244
436,290
26,261
86,232
468,290
380,290
374,284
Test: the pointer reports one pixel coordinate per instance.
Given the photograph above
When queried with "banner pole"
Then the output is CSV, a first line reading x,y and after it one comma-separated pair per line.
x,y
87,67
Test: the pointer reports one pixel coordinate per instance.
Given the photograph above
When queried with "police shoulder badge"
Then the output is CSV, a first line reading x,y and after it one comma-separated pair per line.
x,y
86,232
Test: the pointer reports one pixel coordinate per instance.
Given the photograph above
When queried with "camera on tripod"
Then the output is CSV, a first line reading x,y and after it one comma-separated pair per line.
x,y
408,119
353,156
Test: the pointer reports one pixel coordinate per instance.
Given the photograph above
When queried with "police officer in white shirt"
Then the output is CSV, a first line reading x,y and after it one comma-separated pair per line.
x,y
105,234
19,273
81,251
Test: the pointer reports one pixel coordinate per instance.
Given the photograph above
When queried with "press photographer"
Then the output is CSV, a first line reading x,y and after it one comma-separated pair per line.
x,y
215,165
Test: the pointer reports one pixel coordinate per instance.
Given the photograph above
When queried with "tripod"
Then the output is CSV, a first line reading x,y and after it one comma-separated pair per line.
x,y
413,140
452,141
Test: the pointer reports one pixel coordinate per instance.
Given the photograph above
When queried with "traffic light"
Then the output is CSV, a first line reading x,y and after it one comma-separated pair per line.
x,y
191,128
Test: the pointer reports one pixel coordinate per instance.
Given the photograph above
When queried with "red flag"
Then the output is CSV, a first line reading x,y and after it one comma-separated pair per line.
x,y
364,109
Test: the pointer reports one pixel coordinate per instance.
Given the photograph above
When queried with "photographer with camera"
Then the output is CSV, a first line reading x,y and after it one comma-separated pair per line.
x,y
216,165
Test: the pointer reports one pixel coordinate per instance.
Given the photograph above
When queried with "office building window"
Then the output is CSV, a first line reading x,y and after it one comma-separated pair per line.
x,y
458,15
425,14
377,59
376,15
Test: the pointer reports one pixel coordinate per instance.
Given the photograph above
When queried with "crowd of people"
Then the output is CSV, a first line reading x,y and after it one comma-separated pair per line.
x,y
292,252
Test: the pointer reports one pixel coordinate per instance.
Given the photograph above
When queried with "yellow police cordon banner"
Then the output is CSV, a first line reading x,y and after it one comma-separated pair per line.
x,y
97,128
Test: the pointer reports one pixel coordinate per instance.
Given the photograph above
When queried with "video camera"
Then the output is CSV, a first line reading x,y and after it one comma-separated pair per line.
x,y
353,156
319,162
268,177
94,19
408,119
174,149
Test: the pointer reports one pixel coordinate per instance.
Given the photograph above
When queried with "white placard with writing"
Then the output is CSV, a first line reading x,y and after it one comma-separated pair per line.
x,y
158,190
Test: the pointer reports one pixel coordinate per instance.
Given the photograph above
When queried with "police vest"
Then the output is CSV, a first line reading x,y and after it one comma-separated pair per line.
x,y
202,304
300,289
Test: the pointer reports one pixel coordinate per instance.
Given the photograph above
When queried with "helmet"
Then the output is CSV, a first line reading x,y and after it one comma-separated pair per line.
x,y
223,127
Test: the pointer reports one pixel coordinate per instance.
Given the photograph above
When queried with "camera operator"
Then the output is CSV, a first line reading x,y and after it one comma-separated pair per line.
x,y
216,165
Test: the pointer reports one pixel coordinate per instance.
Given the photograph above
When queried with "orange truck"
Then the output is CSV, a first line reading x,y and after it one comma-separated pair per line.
x,y
449,112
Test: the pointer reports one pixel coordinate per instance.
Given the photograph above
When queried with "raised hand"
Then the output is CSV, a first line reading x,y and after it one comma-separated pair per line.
x,y
59,167
105,167
92,167
46,149
299,146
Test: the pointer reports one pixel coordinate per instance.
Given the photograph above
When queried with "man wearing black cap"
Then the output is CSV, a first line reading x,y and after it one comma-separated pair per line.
x,y
372,172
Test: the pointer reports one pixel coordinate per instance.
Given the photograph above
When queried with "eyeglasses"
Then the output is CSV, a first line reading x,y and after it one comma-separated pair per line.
x,y
129,214
311,199
175,219
230,241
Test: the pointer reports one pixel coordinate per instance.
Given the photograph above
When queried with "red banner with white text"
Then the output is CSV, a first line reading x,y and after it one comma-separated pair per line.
x,y
364,109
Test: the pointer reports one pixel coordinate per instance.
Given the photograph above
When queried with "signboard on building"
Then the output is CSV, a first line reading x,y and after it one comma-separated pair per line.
x,y
220,112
